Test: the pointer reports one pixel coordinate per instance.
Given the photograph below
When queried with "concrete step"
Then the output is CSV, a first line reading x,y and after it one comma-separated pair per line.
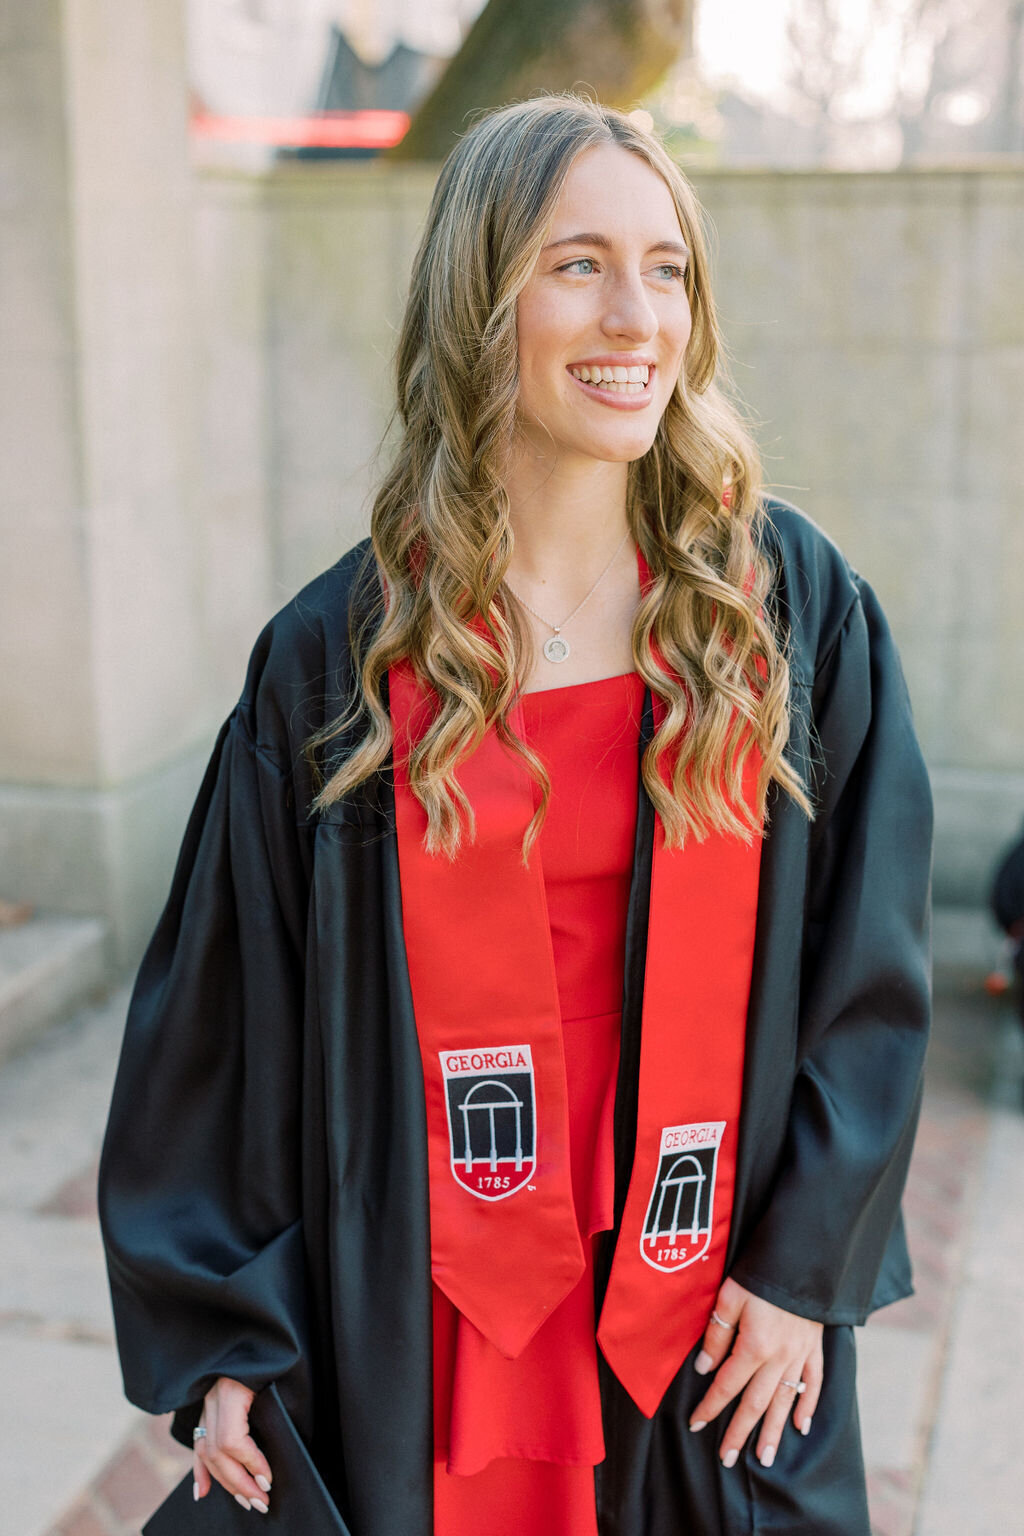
x,y
48,966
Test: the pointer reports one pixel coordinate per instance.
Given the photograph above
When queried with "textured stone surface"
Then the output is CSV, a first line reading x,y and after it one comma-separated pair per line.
x,y
938,1372
61,1415
984,1367
863,316
868,337
48,966
101,850
195,373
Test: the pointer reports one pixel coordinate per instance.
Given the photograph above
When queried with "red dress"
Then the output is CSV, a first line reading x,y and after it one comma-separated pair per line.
x,y
516,1441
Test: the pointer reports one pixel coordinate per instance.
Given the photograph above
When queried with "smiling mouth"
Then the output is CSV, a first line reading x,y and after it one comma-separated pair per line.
x,y
615,380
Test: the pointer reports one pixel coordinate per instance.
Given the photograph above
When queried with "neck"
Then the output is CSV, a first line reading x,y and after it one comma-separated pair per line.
x,y
567,516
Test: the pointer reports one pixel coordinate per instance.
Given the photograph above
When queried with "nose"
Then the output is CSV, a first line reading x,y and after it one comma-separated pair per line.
x,y
628,313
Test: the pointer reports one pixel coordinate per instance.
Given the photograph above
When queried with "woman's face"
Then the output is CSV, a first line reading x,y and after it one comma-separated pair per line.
x,y
606,295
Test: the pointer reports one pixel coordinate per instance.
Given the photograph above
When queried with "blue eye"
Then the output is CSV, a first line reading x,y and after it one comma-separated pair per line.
x,y
585,266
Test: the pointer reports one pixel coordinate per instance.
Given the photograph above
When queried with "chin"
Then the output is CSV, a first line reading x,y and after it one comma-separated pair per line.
x,y
625,450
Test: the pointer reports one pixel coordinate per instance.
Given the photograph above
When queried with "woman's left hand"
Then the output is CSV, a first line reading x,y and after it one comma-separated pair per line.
x,y
762,1355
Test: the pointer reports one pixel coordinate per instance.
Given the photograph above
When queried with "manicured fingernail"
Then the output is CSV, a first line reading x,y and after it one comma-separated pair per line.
x,y
262,1482
730,1458
244,1502
698,1424
264,1509
703,1363
768,1456
195,1490
805,1427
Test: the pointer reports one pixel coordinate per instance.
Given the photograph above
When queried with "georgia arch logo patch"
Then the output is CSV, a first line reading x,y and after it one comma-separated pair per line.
x,y
492,1118
680,1213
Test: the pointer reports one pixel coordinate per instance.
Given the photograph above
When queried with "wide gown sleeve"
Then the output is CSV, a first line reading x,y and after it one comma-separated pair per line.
x,y
864,1003
199,1178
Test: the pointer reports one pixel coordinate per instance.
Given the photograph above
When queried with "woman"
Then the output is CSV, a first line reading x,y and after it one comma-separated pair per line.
x,y
546,957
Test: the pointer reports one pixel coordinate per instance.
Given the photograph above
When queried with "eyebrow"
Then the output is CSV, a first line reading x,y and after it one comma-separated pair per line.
x,y
604,244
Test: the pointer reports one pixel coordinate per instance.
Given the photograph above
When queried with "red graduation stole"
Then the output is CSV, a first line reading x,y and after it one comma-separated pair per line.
x,y
505,1247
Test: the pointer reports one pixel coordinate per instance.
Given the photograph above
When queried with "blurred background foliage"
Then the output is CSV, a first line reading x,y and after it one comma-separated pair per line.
x,y
867,84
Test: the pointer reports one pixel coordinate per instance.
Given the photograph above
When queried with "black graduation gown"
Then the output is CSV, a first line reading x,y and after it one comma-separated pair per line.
x,y
263,1184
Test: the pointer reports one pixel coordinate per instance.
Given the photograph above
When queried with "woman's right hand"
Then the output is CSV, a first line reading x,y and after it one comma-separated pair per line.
x,y
227,1451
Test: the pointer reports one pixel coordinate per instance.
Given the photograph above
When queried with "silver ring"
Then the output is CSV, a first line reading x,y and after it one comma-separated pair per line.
x,y
799,1387
722,1322
199,1433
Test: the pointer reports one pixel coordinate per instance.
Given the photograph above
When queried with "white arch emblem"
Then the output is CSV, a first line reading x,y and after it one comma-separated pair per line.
x,y
680,1213
680,1181
507,1101
491,1105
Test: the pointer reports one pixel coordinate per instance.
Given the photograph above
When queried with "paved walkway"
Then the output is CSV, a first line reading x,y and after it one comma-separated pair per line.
x,y
941,1374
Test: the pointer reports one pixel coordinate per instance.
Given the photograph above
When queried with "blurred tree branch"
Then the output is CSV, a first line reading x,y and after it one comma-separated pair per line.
x,y
935,49
618,49
1007,113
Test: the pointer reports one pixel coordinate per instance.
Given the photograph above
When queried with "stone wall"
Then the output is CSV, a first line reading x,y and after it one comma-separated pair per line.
x,y
876,327
104,690
194,376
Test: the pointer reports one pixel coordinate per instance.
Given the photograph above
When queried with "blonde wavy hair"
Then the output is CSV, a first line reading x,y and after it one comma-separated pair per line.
x,y
702,638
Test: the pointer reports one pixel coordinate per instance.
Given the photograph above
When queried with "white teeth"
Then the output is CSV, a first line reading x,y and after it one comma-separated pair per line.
x,y
619,380
613,378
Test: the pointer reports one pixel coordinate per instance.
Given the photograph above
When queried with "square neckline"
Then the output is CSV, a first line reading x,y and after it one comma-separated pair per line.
x,y
614,677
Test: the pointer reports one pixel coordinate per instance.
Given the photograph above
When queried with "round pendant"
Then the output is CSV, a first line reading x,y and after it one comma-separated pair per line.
x,y
556,649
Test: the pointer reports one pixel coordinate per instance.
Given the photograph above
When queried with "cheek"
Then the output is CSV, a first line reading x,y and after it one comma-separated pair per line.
x,y
542,379
549,325
678,333
684,329
536,320
534,383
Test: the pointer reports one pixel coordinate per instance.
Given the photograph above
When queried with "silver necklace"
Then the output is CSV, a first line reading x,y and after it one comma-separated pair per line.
x,y
556,649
